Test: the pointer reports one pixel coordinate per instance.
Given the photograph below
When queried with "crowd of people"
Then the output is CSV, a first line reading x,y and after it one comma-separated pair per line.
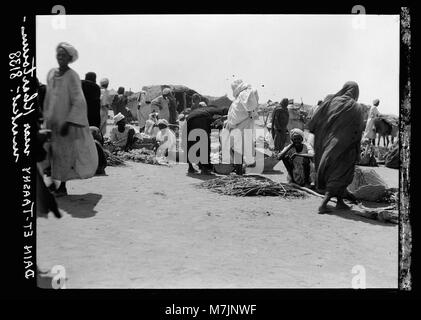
x,y
76,112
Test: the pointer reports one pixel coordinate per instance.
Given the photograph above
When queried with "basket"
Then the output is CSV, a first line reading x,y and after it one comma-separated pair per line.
x,y
269,162
223,168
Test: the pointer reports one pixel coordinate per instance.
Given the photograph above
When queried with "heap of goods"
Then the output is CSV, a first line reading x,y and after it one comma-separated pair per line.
x,y
391,196
368,152
139,155
116,156
112,159
380,153
392,159
109,146
250,185
367,185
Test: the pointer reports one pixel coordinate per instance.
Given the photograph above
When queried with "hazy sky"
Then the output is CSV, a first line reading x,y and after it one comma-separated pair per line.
x,y
294,56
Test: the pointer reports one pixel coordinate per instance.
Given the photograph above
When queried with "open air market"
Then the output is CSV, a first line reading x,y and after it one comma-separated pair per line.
x,y
168,186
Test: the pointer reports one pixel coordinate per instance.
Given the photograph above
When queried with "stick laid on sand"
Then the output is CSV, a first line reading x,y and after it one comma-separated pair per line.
x,y
309,191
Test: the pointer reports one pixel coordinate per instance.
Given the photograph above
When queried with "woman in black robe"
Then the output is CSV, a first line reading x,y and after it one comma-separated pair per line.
x,y
337,126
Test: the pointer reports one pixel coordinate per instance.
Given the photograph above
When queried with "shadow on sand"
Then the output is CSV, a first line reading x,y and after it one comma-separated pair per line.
x,y
202,176
80,205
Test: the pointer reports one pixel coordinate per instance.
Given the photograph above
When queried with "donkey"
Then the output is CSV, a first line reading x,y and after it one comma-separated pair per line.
x,y
383,129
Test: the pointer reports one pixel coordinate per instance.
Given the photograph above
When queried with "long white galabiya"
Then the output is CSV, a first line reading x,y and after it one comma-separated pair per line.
x,y
70,50
241,116
73,154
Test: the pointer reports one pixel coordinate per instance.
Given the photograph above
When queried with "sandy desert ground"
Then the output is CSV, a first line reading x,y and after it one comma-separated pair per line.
x,y
146,226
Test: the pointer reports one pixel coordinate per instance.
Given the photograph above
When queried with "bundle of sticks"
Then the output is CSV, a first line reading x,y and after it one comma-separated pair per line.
x,y
251,185
113,160
139,155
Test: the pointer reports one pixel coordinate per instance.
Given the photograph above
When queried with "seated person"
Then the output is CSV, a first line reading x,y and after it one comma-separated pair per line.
x,y
102,160
151,128
297,159
166,140
122,135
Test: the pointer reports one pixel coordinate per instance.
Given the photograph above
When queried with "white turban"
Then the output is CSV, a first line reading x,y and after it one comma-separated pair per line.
x,y
296,132
104,82
163,121
118,117
239,85
166,91
70,50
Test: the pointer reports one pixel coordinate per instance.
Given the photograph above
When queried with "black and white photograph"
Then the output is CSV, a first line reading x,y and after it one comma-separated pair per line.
x,y
217,151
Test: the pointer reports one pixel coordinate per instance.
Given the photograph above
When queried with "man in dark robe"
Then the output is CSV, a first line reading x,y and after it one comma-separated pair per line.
x,y
280,118
202,118
92,93
119,104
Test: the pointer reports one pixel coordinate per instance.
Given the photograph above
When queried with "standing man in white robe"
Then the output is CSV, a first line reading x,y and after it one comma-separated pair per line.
x,y
240,123
72,153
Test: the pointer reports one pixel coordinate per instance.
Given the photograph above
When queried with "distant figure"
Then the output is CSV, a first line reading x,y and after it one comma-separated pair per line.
x,y
337,127
297,158
122,135
144,109
162,105
119,104
73,154
166,140
92,94
151,126
370,130
105,105
313,110
195,101
280,118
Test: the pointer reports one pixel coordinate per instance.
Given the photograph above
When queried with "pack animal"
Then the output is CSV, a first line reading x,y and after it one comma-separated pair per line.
x,y
384,130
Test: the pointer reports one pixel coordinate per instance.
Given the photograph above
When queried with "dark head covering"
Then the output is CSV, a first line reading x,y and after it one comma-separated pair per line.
x,y
195,96
96,133
376,102
284,103
348,95
120,90
90,76
337,125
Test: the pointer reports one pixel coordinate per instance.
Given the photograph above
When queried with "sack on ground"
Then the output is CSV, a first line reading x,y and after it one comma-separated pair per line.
x,y
367,185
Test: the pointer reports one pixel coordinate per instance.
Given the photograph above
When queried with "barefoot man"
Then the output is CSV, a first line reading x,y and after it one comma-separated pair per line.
x,y
337,126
